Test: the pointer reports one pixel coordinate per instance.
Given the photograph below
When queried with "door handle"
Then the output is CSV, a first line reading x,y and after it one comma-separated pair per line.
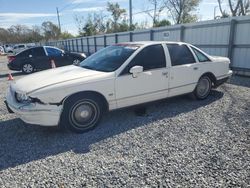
x,y
195,68
165,74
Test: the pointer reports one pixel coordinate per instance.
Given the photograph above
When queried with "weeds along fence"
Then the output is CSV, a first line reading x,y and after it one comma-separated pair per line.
x,y
224,37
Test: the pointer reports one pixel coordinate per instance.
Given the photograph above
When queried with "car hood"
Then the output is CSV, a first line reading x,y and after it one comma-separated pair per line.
x,y
50,77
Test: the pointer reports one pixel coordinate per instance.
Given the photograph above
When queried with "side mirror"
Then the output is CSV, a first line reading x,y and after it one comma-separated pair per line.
x,y
135,70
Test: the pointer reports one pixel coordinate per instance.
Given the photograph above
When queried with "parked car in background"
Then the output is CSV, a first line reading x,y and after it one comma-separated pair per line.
x,y
19,47
8,48
117,76
39,58
2,51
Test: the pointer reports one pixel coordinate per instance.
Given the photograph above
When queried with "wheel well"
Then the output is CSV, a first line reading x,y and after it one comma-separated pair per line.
x,y
92,93
211,76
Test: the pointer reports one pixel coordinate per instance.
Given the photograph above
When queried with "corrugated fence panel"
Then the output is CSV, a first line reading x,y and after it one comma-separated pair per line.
x,y
215,51
99,42
241,58
242,33
172,35
217,35
123,37
110,39
223,37
141,36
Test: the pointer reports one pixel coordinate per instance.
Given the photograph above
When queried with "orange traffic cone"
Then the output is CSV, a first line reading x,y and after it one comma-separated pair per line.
x,y
10,77
53,65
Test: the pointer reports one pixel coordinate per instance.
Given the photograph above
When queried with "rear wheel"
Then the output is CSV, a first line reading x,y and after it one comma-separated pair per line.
x,y
27,68
81,113
203,88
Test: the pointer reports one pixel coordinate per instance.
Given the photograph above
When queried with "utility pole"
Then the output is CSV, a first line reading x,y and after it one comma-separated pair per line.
x,y
215,11
130,15
58,18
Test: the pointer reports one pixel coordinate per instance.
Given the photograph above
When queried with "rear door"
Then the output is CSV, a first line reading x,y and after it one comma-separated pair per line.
x,y
40,59
58,56
184,72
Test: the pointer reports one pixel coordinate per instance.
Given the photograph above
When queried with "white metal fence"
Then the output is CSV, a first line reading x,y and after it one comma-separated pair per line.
x,y
225,37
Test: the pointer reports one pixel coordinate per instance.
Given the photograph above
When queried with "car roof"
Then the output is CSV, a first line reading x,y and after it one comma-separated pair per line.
x,y
142,43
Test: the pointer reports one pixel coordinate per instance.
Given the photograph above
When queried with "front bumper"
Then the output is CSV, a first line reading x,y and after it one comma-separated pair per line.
x,y
34,113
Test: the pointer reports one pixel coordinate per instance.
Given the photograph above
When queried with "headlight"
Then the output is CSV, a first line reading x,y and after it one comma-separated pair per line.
x,y
22,97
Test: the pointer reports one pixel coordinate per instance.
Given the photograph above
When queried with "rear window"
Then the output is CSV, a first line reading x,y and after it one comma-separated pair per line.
x,y
201,57
24,53
180,54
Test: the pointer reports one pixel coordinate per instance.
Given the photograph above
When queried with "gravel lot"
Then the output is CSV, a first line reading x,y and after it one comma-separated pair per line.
x,y
179,143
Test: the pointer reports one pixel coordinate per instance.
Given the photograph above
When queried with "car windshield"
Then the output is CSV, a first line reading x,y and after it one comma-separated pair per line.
x,y
110,58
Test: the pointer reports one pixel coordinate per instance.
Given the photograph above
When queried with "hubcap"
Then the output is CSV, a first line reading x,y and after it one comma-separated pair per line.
x,y
83,114
203,87
76,62
28,68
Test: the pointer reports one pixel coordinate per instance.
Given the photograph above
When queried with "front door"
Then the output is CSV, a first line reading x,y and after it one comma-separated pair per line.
x,y
149,85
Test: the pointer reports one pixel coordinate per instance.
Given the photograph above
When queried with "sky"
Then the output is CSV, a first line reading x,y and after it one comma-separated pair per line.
x,y
34,12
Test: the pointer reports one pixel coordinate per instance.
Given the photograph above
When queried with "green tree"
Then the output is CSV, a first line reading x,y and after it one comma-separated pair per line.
x,y
158,7
162,23
66,35
50,31
116,13
182,11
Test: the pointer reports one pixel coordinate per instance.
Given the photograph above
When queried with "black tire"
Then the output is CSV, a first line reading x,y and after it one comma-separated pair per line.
x,y
28,68
78,106
203,88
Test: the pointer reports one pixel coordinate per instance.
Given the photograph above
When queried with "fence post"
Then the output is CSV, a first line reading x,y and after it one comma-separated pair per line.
x,y
77,48
73,48
130,36
88,45
69,45
95,43
82,45
66,45
231,40
182,29
151,35
105,40
116,38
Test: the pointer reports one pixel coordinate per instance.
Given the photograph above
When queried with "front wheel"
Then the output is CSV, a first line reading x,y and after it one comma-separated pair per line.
x,y
203,88
76,62
81,113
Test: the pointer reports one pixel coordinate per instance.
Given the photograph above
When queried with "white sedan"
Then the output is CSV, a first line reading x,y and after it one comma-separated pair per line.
x,y
121,75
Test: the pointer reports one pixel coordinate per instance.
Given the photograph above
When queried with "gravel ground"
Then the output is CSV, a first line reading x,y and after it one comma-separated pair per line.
x,y
179,143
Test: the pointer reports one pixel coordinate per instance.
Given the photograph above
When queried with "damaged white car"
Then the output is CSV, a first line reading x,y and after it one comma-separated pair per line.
x,y
121,75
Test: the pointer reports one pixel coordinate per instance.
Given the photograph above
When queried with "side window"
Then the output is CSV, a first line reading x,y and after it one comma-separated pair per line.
x,y
38,52
25,53
180,54
201,57
53,51
151,57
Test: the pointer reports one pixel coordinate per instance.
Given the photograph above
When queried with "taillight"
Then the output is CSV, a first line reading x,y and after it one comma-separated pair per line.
x,y
11,58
